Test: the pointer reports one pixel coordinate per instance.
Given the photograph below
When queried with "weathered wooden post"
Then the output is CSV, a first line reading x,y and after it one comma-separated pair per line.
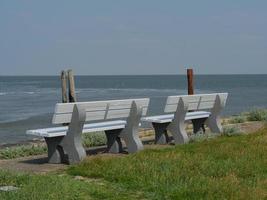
x,y
190,81
64,86
190,87
72,94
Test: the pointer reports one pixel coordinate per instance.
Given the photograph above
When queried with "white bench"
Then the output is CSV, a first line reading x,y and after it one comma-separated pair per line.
x,y
200,109
118,118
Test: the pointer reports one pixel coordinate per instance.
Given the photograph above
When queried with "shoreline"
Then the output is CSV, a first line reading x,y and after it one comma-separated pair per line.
x,y
245,127
35,141
244,122
36,161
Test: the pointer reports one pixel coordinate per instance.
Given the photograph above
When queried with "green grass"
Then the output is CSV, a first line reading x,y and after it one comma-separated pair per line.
x,y
227,167
89,140
238,119
58,186
94,139
230,131
97,139
22,151
255,114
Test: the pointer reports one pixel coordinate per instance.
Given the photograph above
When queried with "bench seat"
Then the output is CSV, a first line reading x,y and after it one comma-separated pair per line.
x,y
200,109
119,119
169,117
87,128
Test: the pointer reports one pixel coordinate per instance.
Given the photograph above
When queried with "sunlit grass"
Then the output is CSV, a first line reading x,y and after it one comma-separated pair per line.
x,y
255,114
231,166
58,186
22,151
227,167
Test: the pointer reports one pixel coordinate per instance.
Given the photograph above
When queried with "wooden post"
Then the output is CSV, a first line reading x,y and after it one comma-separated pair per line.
x,y
64,86
190,81
72,94
190,86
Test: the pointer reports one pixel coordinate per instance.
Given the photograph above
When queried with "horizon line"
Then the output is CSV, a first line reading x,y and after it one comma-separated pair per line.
x,y
142,74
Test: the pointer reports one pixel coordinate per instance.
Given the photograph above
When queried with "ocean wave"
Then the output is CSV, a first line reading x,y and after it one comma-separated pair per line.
x,y
29,92
32,119
79,90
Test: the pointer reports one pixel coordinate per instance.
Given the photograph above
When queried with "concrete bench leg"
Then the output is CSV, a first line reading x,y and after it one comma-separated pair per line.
x,y
132,141
130,132
177,126
114,144
74,151
214,121
178,132
55,153
161,136
72,142
214,124
198,124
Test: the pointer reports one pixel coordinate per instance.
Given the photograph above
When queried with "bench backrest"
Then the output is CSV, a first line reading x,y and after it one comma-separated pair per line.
x,y
195,102
99,110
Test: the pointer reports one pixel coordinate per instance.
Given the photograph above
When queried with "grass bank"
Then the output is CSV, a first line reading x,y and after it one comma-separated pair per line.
x,y
227,167
97,139
252,115
58,186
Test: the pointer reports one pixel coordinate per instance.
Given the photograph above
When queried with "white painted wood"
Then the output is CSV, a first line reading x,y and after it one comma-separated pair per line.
x,y
192,106
66,117
169,117
192,98
195,102
99,110
88,128
99,105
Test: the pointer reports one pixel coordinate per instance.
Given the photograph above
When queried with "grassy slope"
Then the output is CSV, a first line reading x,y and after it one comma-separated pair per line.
x,y
56,186
227,167
96,139
223,168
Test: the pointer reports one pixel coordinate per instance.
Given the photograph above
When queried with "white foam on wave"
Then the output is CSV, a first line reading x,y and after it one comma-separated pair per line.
x,y
79,90
2,93
29,92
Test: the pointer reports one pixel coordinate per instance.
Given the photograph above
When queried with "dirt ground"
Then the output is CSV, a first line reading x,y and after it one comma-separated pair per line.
x,y
32,164
38,164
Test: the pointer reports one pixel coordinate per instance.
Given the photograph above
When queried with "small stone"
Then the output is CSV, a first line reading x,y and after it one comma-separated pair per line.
x,y
80,178
8,188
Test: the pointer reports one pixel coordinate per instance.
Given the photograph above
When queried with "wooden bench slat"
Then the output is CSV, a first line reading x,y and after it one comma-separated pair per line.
x,y
94,127
122,113
96,115
101,110
191,98
169,117
196,102
192,106
66,117
99,105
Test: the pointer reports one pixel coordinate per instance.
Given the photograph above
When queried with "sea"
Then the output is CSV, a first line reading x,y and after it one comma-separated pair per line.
x,y
27,102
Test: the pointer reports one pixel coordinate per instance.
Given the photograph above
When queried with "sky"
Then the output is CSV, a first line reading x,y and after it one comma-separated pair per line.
x,y
132,37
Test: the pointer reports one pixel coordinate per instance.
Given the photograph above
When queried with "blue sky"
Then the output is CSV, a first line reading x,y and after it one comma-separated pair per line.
x,y
117,37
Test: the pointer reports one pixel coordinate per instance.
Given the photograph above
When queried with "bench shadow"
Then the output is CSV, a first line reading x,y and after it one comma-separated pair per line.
x,y
89,152
35,161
